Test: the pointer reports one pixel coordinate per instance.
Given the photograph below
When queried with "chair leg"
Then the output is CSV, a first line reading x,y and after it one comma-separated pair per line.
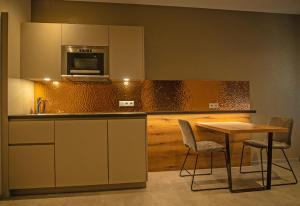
x,y
262,171
182,167
241,163
194,174
227,168
262,167
190,174
291,169
211,163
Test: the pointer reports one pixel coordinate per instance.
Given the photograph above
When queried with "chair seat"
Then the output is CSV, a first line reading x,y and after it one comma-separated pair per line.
x,y
264,144
209,146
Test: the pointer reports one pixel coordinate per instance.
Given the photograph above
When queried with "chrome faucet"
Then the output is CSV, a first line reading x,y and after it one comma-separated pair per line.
x,y
39,103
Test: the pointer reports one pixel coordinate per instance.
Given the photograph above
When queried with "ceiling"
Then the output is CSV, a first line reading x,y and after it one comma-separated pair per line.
x,y
269,6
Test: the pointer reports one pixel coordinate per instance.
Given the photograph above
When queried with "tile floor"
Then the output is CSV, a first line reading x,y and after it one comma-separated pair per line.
x,y
168,189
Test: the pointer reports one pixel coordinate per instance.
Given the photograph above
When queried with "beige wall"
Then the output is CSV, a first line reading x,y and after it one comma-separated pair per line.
x,y
185,43
21,96
298,81
20,92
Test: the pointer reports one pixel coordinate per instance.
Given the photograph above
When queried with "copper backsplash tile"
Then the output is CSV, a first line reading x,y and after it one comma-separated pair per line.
x,y
148,95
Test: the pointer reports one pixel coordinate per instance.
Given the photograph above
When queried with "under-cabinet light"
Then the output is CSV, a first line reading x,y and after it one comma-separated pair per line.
x,y
47,79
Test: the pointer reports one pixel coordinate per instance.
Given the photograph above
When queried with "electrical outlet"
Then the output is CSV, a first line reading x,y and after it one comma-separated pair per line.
x,y
126,103
213,105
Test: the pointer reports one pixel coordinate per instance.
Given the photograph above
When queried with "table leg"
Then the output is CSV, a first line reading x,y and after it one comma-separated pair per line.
x,y
228,161
269,169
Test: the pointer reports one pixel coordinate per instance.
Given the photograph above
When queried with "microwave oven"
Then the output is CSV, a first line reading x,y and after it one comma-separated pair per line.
x,y
85,62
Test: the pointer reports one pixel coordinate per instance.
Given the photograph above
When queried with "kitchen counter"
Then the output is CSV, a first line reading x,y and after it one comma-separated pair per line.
x,y
119,114
79,115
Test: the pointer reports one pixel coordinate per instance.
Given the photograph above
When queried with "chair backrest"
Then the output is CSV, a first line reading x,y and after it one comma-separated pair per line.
x,y
187,134
282,122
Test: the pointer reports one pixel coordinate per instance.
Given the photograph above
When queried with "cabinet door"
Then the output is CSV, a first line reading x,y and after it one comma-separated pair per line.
x,y
81,152
31,166
126,52
127,150
41,51
87,35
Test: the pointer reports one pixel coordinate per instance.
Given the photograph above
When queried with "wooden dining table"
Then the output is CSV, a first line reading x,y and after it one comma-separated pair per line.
x,y
231,128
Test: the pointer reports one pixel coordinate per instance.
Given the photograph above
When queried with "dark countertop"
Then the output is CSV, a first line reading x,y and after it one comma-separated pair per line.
x,y
80,115
118,114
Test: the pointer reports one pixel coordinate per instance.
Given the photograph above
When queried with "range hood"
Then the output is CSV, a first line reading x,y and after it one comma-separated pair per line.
x,y
81,78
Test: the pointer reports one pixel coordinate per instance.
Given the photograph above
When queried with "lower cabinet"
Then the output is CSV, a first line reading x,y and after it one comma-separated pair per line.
x,y
81,152
127,150
31,166
76,152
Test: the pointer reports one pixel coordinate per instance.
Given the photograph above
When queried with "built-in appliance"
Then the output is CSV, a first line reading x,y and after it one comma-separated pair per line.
x,y
85,63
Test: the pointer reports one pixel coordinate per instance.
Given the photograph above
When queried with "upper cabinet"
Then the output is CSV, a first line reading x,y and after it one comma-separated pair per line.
x,y
85,35
126,52
41,48
40,51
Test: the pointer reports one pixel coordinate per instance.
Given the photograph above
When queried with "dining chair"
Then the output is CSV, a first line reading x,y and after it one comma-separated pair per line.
x,y
281,141
198,147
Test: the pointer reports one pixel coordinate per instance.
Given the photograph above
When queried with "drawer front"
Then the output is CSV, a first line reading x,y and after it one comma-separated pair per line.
x,y
31,166
30,132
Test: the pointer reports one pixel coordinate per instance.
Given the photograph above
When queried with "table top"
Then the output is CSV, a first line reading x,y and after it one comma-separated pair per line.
x,y
240,127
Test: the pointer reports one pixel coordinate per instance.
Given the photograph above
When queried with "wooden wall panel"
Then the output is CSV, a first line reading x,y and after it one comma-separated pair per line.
x,y
166,150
